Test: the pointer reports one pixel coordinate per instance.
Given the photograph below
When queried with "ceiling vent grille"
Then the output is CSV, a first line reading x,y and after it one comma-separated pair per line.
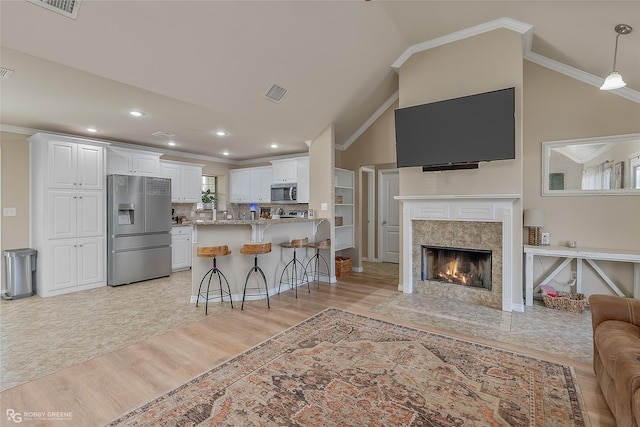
x,y
275,93
164,134
68,8
5,73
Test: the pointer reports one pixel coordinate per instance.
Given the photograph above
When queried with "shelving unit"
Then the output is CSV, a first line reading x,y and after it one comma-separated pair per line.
x,y
344,208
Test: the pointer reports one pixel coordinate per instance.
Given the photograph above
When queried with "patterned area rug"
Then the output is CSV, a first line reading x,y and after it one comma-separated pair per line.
x,y
344,369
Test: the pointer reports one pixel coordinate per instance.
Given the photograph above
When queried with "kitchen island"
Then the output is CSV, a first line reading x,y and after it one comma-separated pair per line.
x,y
235,233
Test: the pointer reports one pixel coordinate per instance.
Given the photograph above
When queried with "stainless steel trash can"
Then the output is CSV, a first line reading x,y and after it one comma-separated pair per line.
x,y
20,272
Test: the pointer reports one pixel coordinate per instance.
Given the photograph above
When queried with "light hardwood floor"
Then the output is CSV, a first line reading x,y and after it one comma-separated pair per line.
x,y
98,390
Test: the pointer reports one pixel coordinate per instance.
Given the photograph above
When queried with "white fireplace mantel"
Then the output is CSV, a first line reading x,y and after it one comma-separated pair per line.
x,y
476,207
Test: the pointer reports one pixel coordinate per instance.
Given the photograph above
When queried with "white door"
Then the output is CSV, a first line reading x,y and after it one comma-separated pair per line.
x,y
171,171
90,167
90,261
191,184
180,251
62,217
389,208
63,262
239,185
63,164
145,164
90,213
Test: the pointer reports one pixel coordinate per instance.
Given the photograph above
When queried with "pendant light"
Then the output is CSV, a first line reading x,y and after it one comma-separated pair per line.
x,y
614,79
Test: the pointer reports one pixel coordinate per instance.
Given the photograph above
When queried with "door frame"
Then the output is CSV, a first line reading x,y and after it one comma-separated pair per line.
x,y
368,173
381,173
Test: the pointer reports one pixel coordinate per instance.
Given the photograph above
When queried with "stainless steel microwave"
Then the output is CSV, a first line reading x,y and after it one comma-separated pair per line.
x,y
284,193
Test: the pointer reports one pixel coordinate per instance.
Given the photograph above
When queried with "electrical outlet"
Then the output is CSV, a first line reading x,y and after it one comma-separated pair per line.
x,y
9,211
545,239
574,275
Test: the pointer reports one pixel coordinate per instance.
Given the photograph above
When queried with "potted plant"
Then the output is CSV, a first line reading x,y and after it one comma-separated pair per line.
x,y
208,199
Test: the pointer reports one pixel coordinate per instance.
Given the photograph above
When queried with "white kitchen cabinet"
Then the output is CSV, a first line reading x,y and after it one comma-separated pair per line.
x,y
290,171
260,184
239,185
73,165
250,185
186,180
75,263
75,214
68,218
123,161
285,171
180,248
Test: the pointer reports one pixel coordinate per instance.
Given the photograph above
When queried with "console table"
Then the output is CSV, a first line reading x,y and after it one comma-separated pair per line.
x,y
588,255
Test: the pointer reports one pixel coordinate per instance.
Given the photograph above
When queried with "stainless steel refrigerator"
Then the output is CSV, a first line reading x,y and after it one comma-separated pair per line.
x,y
138,228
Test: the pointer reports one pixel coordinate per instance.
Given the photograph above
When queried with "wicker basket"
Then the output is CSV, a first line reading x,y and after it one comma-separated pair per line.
x,y
575,302
339,221
343,266
339,199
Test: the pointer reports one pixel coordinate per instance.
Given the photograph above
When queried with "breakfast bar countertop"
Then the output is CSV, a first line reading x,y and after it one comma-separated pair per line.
x,y
248,221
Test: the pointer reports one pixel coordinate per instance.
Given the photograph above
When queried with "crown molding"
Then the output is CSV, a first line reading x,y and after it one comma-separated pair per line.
x,y
583,76
511,24
369,122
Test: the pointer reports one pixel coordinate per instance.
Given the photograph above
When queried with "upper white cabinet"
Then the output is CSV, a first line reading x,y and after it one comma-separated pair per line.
x,y
285,171
186,180
68,223
73,165
289,171
123,161
250,185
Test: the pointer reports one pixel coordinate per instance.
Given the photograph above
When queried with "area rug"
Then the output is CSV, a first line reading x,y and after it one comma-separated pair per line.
x,y
342,369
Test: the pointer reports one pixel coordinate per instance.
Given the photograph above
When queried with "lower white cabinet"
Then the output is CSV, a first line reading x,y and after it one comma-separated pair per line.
x,y
180,248
75,263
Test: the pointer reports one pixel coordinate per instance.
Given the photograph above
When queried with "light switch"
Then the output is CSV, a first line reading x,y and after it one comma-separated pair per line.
x,y
9,211
324,206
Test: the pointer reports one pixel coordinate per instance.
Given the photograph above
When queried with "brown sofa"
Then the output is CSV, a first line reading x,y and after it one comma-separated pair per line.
x,y
616,354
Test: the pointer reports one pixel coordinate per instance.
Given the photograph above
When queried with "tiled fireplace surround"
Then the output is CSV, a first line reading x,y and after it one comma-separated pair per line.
x,y
474,222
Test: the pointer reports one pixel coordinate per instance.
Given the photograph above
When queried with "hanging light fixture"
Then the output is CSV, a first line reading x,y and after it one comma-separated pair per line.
x,y
614,79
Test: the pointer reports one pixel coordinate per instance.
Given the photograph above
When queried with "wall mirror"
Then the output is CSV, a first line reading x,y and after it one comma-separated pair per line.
x,y
603,166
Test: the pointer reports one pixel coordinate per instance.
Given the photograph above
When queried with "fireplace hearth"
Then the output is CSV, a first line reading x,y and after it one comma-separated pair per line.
x,y
458,266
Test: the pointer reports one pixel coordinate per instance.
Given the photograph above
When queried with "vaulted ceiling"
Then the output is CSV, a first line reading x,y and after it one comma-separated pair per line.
x,y
195,67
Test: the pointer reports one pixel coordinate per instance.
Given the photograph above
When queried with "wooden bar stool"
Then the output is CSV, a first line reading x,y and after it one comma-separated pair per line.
x,y
297,267
255,249
213,252
314,262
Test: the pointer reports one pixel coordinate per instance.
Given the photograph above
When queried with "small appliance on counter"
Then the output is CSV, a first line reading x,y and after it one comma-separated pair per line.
x,y
294,214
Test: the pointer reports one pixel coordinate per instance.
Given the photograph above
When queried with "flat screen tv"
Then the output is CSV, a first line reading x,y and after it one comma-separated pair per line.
x,y
457,133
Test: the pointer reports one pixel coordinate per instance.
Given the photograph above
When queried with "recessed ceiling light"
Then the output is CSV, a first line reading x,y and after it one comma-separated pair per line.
x,y
136,113
274,145
92,130
221,133
225,153
171,143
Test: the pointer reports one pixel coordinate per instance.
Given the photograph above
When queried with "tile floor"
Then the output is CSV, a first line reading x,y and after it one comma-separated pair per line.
x,y
39,336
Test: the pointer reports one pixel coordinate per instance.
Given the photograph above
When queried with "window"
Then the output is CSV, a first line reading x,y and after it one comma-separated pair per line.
x,y
210,185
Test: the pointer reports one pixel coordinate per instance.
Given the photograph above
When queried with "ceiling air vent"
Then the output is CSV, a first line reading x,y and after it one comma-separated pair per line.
x,y
5,73
275,93
164,134
68,8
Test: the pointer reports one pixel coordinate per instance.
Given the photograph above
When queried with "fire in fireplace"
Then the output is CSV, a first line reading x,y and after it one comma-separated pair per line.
x,y
460,266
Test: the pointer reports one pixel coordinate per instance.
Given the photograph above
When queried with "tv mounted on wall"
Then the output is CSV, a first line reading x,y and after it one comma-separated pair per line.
x,y
457,133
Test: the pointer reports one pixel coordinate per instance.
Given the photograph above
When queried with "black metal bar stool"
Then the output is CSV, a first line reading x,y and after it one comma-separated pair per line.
x,y
314,262
213,252
255,249
294,265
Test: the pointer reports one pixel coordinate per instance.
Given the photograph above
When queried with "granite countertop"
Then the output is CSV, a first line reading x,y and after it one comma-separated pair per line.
x,y
248,221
